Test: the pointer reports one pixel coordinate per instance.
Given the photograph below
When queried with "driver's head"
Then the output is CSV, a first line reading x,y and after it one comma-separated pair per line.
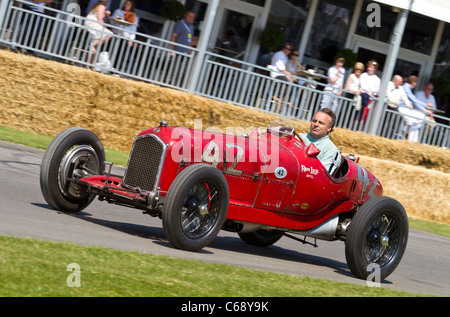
x,y
322,123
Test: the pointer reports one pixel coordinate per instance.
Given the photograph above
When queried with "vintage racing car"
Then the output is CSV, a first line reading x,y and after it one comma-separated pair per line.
x,y
263,186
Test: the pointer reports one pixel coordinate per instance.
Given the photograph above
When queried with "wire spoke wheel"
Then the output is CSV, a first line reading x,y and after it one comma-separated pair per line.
x,y
382,240
200,210
378,234
195,207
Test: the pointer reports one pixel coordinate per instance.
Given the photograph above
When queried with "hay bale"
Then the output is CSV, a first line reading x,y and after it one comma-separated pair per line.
x,y
423,192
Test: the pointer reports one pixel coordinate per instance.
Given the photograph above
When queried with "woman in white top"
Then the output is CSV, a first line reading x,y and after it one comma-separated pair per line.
x,y
94,23
353,84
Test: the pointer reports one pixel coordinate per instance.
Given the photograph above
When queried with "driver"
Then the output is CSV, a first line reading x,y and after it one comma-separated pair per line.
x,y
321,125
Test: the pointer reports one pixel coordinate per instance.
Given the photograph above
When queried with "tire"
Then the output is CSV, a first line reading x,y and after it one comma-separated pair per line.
x,y
261,238
378,235
74,145
195,207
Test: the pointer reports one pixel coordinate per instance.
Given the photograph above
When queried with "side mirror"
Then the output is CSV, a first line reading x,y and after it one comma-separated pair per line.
x,y
312,150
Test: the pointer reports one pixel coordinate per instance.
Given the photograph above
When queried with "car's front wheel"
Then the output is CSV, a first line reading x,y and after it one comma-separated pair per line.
x,y
195,207
377,238
73,151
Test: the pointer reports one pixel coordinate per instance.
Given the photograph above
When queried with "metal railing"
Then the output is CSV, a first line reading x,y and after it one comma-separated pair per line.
x,y
63,36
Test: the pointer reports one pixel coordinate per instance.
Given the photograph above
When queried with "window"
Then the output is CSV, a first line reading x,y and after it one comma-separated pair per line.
x,y
289,16
441,72
419,33
382,33
330,29
443,55
260,3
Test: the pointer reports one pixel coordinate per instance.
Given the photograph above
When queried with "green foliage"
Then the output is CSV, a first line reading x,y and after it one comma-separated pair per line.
x,y
441,85
173,10
350,57
272,38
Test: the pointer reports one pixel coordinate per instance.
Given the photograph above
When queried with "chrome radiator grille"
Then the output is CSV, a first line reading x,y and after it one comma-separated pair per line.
x,y
144,163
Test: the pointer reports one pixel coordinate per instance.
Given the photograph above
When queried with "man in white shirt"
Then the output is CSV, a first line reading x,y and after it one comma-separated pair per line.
x,y
278,63
395,94
398,98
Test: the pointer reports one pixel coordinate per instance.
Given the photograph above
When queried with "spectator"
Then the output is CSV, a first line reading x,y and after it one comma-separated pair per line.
x,y
398,99
94,22
183,33
335,84
126,14
370,84
395,93
293,66
278,63
409,86
126,21
353,84
93,2
426,95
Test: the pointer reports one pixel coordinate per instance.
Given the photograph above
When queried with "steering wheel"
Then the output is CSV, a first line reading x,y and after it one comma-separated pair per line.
x,y
298,136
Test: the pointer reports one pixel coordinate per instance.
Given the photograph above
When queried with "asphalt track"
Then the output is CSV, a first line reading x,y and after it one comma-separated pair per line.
x,y
24,213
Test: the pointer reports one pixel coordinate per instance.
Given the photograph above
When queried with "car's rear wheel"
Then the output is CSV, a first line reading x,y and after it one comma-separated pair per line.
x,y
262,238
377,238
73,151
195,207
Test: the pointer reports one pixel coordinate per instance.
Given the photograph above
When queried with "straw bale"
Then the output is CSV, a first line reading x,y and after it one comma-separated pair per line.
x,y
47,97
423,192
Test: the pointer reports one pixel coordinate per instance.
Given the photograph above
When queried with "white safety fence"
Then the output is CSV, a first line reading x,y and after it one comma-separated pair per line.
x,y
63,36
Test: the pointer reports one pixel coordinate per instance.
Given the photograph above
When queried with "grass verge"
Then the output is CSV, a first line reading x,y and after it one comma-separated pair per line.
x,y
41,141
40,269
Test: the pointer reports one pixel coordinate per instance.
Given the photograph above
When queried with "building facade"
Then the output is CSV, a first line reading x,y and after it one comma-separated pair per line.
x,y
320,28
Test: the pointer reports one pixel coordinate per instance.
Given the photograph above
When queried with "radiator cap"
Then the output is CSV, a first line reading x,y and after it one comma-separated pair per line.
x,y
163,123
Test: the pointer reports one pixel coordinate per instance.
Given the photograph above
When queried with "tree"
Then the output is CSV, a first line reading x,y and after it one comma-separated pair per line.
x,y
272,38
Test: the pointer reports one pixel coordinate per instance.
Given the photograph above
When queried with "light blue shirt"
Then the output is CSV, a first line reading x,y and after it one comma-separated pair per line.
x,y
329,155
414,100
421,96
128,31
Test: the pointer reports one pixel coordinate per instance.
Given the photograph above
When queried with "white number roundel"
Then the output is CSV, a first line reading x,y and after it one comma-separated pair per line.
x,y
280,172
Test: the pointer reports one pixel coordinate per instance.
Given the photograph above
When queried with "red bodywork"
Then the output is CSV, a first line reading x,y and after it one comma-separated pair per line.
x,y
273,179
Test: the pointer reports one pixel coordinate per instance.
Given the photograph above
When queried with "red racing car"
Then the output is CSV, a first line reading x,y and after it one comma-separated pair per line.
x,y
263,186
